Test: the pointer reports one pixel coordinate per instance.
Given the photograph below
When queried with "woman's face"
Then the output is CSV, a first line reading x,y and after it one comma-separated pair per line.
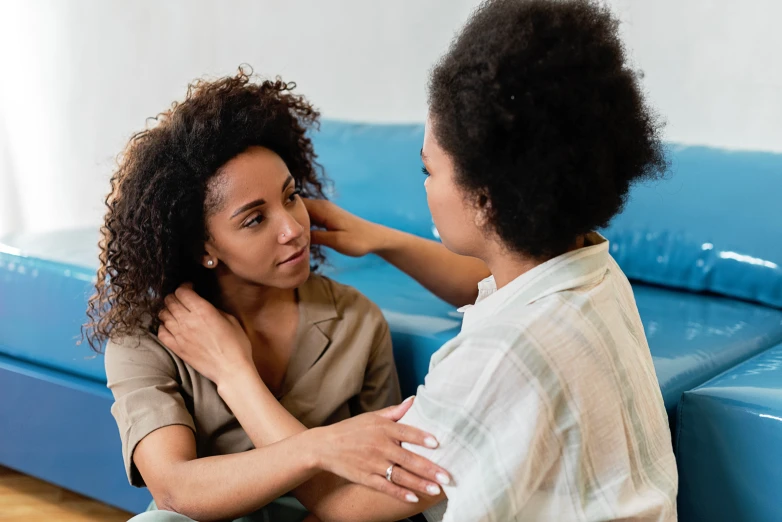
x,y
454,216
259,230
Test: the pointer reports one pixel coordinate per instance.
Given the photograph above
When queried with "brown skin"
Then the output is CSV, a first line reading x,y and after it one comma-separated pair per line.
x,y
460,217
167,184
260,223
201,332
457,215
249,245
207,340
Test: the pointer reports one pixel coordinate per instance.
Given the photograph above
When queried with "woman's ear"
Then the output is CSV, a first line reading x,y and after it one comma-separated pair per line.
x,y
482,209
209,257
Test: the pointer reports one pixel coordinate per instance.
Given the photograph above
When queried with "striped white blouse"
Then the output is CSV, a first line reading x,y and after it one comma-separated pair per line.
x,y
546,405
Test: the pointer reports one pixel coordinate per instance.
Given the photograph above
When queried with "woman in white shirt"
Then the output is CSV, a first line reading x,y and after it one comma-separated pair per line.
x,y
546,405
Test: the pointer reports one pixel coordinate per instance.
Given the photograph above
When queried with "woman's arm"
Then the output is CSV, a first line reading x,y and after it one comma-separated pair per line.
x,y
342,449
358,449
221,487
451,277
159,448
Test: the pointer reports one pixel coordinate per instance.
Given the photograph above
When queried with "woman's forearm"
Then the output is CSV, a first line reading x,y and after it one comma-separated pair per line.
x,y
329,497
451,277
229,486
260,414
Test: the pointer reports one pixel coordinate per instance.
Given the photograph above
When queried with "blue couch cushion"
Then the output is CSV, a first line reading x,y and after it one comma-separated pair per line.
x,y
45,281
709,226
376,169
377,173
706,227
730,444
694,337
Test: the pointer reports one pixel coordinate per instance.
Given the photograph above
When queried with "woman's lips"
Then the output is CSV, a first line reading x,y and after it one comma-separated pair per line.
x,y
295,258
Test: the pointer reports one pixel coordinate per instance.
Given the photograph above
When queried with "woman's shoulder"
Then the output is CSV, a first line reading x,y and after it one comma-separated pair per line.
x,y
348,303
140,339
140,348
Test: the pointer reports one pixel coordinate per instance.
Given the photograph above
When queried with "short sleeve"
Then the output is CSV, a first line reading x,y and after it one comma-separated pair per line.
x,y
493,427
142,376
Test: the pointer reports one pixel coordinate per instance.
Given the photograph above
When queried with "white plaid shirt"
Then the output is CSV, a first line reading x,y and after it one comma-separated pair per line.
x,y
546,405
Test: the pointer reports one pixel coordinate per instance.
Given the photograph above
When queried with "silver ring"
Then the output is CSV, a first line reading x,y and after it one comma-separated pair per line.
x,y
389,472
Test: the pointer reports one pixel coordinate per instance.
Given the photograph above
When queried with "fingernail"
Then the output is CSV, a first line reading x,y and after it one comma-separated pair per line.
x,y
411,498
431,442
408,399
443,479
433,490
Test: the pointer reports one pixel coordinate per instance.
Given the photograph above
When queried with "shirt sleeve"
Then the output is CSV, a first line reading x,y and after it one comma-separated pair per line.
x,y
143,378
494,428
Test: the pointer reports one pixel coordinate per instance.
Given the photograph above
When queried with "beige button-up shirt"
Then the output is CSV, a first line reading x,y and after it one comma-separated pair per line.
x,y
342,365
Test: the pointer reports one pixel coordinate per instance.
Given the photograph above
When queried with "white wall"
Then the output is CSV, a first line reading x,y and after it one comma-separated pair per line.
x,y
712,68
78,77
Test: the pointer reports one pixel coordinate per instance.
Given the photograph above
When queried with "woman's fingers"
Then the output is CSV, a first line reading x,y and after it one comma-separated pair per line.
x,y
165,336
418,465
324,237
318,210
168,320
412,435
188,297
401,477
395,413
380,484
174,305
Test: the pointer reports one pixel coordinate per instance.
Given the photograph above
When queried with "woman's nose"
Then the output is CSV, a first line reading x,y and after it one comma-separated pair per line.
x,y
290,230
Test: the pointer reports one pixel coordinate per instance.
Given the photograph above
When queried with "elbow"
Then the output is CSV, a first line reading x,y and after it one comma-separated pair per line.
x,y
168,500
178,502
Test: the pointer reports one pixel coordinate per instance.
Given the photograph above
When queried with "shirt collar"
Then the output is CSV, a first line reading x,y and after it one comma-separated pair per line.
x,y
316,300
316,305
570,270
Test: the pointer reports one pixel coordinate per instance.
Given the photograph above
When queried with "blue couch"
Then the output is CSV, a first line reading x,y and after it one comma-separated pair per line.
x,y
705,276
729,439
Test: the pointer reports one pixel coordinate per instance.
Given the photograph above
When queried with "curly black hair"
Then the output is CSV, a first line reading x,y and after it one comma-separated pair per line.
x,y
155,225
543,117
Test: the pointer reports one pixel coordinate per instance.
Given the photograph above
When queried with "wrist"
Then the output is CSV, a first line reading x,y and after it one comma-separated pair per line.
x,y
235,379
312,444
384,239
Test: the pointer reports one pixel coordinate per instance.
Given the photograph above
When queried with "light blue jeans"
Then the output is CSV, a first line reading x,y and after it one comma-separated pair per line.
x,y
285,509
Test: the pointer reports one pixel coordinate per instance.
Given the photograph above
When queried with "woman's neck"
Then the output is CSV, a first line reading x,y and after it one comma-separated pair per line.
x,y
255,306
506,265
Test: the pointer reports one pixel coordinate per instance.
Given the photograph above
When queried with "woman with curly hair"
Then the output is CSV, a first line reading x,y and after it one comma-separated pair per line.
x,y
546,405
211,197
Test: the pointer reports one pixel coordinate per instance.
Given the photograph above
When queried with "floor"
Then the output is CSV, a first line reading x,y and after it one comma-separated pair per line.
x,y
25,499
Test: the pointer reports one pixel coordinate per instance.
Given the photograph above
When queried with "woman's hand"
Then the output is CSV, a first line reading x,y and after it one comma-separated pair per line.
x,y
210,341
346,233
362,448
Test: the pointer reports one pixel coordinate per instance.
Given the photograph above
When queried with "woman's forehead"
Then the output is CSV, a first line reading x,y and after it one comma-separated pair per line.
x,y
257,173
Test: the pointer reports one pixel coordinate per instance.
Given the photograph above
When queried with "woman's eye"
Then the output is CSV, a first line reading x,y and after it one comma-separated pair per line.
x,y
293,195
254,221
426,172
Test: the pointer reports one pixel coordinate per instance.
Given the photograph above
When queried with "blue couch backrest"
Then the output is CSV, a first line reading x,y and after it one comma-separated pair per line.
x,y
710,225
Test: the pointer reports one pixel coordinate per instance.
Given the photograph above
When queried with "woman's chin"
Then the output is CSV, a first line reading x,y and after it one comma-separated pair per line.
x,y
296,278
